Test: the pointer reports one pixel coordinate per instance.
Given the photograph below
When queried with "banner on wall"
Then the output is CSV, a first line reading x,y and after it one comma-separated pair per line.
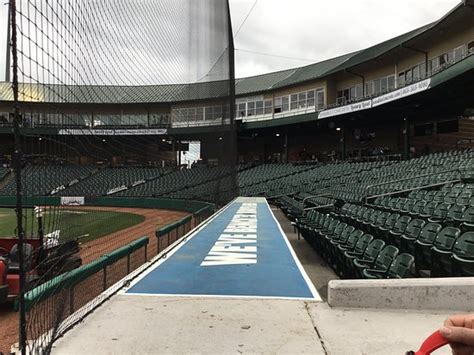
x,y
72,200
113,132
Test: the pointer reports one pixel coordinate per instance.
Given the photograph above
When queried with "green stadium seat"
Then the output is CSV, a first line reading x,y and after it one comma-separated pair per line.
x,y
381,263
397,230
400,268
406,240
355,253
440,213
333,244
441,252
368,258
383,231
423,246
463,255
341,248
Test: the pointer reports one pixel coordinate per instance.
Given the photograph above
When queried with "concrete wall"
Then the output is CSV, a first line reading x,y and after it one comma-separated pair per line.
x,y
450,294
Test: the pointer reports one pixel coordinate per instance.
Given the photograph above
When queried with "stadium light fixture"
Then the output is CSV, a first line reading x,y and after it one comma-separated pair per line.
x,y
220,138
277,135
338,129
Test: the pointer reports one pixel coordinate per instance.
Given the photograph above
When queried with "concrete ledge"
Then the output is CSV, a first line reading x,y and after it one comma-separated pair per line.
x,y
450,294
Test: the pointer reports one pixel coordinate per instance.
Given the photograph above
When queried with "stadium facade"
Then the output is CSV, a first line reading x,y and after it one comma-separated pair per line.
x,y
409,95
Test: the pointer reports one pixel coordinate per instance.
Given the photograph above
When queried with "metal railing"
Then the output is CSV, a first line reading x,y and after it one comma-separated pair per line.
x,y
368,196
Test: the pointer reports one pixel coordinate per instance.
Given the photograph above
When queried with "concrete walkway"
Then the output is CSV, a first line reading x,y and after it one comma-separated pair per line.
x,y
156,325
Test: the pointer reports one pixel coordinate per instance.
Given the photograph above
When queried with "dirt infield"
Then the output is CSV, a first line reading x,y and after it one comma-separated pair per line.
x,y
92,250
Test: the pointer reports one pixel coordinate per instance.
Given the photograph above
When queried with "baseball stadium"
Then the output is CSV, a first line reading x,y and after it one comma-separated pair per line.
x,y
151,202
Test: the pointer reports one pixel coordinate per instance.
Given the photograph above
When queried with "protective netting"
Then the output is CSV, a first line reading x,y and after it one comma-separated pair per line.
x,y
106,96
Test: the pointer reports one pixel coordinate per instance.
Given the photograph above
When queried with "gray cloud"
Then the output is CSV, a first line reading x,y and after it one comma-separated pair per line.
x,y
321,29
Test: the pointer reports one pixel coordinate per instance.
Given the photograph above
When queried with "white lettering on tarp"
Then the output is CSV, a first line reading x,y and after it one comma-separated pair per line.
x,y
237,245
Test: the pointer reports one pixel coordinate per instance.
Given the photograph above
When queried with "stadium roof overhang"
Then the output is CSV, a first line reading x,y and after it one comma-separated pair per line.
x,y
448,91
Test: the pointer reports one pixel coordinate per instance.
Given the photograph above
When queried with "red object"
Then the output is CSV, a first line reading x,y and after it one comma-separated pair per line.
x,y
8,243
433,342
2,273
13,284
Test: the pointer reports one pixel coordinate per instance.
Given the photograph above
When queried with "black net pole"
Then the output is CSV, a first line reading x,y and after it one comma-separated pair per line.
x,y
233,129
17,157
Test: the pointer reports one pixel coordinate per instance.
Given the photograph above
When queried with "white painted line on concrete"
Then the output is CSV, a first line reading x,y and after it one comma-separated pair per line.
x,y
311,287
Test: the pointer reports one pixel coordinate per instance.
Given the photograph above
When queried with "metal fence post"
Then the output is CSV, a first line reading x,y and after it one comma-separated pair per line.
x,y
104,281
71,300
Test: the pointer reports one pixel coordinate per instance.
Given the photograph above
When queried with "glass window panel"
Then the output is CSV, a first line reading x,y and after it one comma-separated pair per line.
x,y
320,99
302,100
377,86
217,112
259,108
383,84
310,94
435,63
416,72
391,82
268,107
294,102
199,114
353,92
278,105
242,109
208,113
285,103
458,53
250,108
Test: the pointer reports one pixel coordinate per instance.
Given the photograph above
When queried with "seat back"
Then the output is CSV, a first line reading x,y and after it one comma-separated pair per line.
x,y
362,243
382,218
391,220
441,210
401,224
455,212
373,249
386,257
373,216
418,207
446,238
414,228
346,233
340,227
429,208
401,267
353,238
429,232
333,225
468,215
464,246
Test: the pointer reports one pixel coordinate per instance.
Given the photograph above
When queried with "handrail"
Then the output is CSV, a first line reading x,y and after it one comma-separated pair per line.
x,y
318,207
410,178
412,189
318,195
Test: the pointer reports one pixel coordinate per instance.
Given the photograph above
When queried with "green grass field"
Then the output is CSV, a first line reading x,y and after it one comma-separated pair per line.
x,y
71,223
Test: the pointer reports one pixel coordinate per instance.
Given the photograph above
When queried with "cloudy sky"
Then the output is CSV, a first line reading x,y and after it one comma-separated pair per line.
x,y
309,30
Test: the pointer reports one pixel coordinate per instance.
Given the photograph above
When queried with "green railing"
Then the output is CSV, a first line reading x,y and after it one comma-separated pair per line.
x,y
70,279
